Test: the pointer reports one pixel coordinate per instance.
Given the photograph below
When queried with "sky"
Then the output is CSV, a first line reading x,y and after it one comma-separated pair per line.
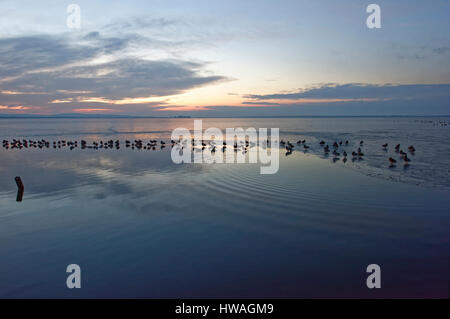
x,y
225,58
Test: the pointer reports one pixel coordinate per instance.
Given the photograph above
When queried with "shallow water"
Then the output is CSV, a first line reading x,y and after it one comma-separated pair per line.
x,y
141,226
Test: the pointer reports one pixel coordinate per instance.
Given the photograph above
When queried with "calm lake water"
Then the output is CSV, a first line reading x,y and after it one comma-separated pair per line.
x,y
141,226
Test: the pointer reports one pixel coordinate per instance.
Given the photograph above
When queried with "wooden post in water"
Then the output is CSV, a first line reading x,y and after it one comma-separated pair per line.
x,y
20,187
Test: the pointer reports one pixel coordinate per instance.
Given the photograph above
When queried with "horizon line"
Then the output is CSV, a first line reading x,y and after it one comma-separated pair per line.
x,y
124,116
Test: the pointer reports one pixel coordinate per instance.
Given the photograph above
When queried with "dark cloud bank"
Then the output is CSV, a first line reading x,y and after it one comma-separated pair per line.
x,y
40,69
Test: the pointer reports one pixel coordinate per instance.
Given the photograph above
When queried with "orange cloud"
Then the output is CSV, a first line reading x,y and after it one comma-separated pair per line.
x,y
20,108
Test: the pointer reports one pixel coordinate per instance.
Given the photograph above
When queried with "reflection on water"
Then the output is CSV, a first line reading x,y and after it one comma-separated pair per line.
x,y
141,226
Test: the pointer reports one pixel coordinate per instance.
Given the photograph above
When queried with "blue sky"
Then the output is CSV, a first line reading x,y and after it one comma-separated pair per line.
x,y
225,58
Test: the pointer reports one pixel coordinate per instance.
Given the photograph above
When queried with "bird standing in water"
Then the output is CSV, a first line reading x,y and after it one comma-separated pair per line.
x,y
392,161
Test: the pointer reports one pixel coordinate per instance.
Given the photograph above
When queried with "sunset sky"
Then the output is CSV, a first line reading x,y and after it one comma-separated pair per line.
x,y
225,58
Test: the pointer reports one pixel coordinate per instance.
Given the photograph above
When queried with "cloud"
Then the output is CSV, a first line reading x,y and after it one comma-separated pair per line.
x,y
359,91
259,103
62,72
21,54
120,79
19,107
141,22
344,99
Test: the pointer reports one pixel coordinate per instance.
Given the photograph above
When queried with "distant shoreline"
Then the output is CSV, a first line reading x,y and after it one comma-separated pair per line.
x,y
103,116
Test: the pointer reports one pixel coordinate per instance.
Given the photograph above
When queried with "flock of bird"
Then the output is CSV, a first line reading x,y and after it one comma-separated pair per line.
x,y
115,144
403,155
110,144
337,147
356,155
201,145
